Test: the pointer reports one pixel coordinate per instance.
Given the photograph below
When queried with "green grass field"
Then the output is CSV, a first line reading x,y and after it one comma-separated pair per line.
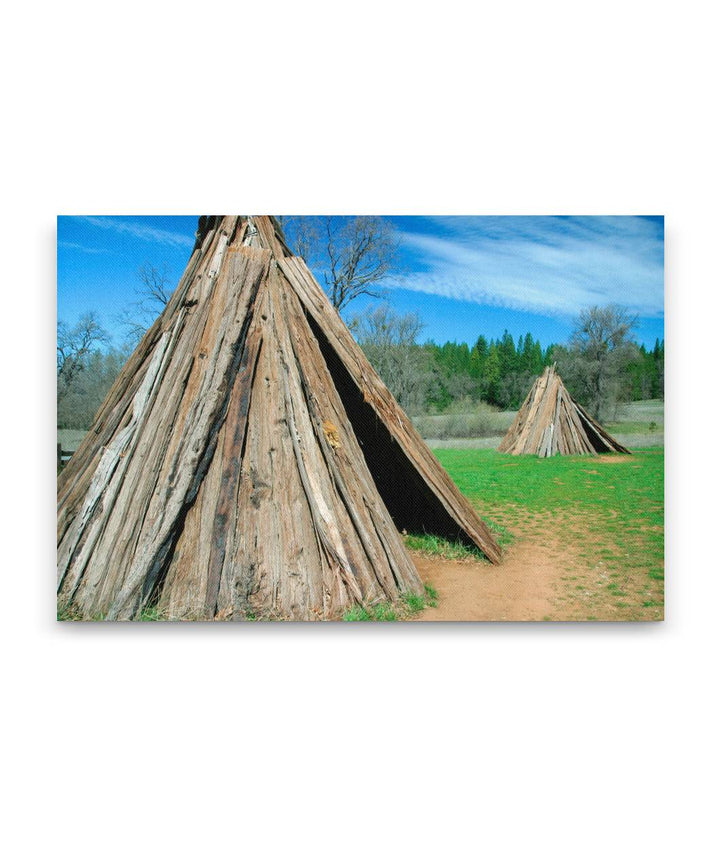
x,y
605,514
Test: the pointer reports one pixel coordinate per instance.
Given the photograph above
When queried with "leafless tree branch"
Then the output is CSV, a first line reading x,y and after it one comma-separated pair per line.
x,y
74,344
154,292
356,254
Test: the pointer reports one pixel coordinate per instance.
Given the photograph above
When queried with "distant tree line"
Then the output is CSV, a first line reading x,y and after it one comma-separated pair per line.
x,y
647,373
601,364
430,377
498,371
425,378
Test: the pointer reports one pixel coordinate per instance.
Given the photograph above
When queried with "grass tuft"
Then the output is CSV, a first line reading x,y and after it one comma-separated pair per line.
x,y
432,545
358,613
385,612
409,604
72,613
379,612
431,596
68,613
414,602
151,613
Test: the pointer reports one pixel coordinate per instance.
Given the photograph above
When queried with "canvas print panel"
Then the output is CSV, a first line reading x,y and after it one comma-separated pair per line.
x,y
360,418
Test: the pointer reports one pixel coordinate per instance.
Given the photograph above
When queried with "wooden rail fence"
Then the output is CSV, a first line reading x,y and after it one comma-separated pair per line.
x,y
63,456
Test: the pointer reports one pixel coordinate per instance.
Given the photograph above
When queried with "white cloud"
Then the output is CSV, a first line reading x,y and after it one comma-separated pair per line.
x,y
137,230
70,245
542,264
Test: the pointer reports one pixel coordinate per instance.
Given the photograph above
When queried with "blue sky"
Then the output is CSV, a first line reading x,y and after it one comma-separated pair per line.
x,y
463,275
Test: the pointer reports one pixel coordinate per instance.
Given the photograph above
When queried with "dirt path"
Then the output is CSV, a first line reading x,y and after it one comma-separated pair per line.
x,y
522,588
557,569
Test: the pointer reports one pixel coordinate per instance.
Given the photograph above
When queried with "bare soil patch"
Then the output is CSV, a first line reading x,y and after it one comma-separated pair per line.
x,y
522,588
559,568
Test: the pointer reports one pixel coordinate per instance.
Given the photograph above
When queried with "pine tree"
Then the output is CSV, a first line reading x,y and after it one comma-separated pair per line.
x,y
463,359
659,355
507,354
492,374
526,348
536,359
477,361
481,346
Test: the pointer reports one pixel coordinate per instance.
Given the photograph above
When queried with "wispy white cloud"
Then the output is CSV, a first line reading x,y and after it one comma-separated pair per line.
x,y
70,245
541,264
138,230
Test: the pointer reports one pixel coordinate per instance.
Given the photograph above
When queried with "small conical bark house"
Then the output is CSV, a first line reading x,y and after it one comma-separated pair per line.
x,y
551,422
248,460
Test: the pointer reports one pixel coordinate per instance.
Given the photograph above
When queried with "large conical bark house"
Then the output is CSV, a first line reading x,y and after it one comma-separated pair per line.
x,y
248,460
551,422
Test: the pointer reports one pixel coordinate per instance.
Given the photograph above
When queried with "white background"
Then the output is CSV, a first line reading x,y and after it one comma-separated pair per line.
x,y
354,739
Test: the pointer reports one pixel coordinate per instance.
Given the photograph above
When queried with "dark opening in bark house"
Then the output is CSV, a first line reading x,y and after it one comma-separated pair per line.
x,y
248,460
551,422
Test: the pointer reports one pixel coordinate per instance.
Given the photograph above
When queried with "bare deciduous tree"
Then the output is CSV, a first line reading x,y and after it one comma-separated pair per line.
x,y
303,236
361,254
355,254
79,401
599,351
389,341
155,289
74,345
